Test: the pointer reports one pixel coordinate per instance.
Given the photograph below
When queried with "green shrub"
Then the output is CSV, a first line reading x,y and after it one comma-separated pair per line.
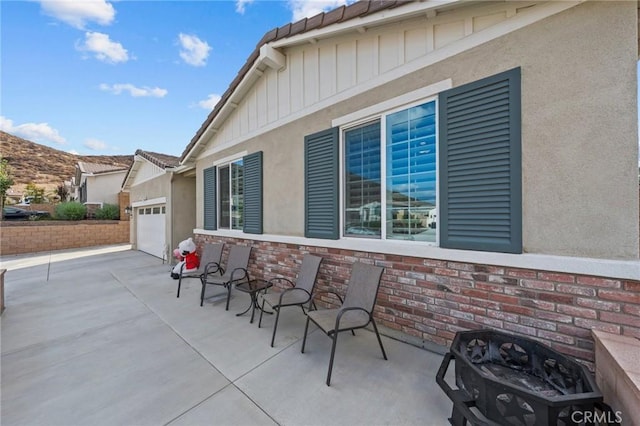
x,y
72,210
108,212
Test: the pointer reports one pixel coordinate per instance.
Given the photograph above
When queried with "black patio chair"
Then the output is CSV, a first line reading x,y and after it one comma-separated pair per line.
x,y
211,255
298,295
235,271
356,310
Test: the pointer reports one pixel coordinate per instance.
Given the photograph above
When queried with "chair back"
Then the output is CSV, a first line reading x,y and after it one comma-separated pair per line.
x,y
363,286
211,252
308,272
238,258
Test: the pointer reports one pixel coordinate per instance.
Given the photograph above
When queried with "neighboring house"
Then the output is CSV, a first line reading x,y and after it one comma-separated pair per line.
x,y
514,123
162,203
98,183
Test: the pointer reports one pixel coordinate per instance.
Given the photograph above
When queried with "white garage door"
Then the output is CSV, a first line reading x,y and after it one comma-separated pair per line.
x,y
151,229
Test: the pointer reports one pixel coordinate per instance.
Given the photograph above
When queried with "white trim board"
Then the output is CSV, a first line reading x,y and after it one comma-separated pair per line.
x,y
608,268
160,200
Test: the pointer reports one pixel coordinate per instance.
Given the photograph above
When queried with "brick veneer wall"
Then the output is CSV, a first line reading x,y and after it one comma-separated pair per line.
x,y
32,237
427,301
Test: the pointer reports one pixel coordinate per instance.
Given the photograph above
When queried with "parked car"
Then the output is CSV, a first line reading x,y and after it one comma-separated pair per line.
x,y
22,214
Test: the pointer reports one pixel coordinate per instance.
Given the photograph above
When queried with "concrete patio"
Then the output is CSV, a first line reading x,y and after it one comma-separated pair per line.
x,y
97,337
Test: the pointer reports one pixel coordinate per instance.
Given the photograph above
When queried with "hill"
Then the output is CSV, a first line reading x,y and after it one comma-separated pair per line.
x,y
45,166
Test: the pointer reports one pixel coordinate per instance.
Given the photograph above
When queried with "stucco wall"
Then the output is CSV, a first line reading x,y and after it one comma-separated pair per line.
x,y
104,188
182,212
579,134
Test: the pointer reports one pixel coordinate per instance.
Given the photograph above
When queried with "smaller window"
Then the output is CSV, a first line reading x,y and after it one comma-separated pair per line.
x,y
164,210
156,210
148,210
140,211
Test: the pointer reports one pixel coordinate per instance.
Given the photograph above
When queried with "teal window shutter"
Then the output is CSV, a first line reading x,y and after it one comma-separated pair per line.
x,y
321,185
480,165
210,210
252,206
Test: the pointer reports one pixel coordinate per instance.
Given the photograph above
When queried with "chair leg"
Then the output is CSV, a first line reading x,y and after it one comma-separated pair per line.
x,y
304,339
179,284
228,296
333,352
275,326
202,294
375,328
261,311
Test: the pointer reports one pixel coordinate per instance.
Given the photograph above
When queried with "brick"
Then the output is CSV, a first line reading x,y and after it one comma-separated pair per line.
x,y
492,288
473,309
597,325
537,285
632,310
503,280
491,322
556,298
446,272
477,294
555,317
461,315
631,331
560,278
522,273
616,318
556,337
577,312
573,351
574,331
460,266
530,331
577,290
632,285
537,323
599,305
517,309
505,316
512,300
621,296
538,304
599,282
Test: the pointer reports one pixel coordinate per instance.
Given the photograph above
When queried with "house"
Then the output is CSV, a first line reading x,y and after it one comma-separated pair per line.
x,y
515,121
97,184
154,190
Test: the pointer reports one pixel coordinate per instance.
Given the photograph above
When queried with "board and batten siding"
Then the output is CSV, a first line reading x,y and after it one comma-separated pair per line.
x,y
316,72
147,171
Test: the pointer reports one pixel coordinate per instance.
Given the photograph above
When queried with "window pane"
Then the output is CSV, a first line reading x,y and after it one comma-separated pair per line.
x,y
236,194
363,210
411,173
225,198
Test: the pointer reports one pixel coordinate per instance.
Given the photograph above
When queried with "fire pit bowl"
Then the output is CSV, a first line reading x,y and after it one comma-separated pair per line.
x,y
511,380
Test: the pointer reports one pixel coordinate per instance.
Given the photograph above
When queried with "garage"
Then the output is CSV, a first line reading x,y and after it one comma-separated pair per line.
x,y
150,234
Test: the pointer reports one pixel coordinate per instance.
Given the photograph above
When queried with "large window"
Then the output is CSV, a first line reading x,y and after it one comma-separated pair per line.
x,y
230,195
405,185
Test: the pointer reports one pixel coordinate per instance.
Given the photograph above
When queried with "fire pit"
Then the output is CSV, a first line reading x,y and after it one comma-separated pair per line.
x,y
511,380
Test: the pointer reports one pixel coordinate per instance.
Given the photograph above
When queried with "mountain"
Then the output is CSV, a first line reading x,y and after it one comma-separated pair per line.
x,y
45,166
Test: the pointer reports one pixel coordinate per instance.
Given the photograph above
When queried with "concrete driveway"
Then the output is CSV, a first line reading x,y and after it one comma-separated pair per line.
x,y
98,337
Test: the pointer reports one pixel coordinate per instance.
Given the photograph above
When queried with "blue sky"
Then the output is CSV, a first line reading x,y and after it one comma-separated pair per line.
x,y
108,77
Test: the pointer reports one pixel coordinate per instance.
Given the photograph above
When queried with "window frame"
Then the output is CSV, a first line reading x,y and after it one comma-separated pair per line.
x,y
381,117
219,165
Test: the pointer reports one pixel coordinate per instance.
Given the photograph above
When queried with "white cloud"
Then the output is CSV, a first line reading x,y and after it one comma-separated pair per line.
x,y
210,102
136,92
193,50
241,5
103,48
95,145
35,132
307,8
79,13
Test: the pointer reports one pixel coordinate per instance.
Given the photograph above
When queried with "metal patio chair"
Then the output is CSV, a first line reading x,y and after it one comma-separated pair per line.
x,y
236,270
356,310
298,295
211,255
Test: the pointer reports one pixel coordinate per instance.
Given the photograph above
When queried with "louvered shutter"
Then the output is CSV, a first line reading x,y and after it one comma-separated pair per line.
x,y
480,165
321,185
210,217
252,187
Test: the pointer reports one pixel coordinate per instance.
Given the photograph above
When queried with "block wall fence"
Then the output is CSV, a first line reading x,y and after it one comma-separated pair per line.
x,y
32,237
425,302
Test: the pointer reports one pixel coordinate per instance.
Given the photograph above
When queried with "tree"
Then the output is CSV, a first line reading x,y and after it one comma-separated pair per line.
x,y
62,192
6,180
36,192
